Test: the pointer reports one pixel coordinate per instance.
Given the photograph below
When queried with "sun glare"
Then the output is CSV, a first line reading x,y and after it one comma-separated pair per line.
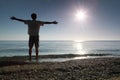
x,y
79,48
78,40
81,15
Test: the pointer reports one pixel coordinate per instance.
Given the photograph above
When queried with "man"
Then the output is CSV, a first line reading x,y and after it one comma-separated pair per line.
x,y
33,32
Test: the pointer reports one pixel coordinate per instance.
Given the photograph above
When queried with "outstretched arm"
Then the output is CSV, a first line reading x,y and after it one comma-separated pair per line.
x,y
54,22
14,18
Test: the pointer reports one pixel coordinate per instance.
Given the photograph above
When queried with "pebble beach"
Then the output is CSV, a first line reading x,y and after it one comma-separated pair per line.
x,y
79,69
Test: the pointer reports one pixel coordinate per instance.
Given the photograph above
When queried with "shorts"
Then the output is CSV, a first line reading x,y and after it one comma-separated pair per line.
x,y
33,40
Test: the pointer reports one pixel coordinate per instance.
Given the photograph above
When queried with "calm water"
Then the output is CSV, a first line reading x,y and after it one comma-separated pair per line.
x,y
20,48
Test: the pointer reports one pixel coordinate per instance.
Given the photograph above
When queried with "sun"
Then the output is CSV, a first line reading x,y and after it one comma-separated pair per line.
x,y
81,15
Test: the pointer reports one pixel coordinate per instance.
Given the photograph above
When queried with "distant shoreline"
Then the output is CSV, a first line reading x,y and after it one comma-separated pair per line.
x,y
72,40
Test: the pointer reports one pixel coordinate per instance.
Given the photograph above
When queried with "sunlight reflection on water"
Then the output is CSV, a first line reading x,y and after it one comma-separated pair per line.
x,y
79,48
60,59
68,59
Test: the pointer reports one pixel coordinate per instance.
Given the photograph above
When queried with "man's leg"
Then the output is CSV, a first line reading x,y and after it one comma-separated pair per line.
x,y
30,47
36,53
37,47
30,52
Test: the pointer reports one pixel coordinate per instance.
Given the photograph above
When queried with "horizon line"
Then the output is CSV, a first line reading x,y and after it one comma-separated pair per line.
x,y
64,40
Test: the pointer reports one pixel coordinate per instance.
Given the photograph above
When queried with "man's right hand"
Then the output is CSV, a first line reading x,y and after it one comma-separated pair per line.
x,y
55,22
13,18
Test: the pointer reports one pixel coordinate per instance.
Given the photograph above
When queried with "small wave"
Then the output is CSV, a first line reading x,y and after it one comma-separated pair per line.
x,y
71,55
13,50
109,50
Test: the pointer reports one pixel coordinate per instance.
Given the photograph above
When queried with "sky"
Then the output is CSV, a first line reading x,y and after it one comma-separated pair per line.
x,y
102,21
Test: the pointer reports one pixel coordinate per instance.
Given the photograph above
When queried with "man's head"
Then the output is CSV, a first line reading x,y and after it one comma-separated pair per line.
x,y
34,16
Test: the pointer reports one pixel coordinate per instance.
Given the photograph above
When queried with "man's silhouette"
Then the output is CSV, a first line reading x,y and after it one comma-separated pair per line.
x,y
33,31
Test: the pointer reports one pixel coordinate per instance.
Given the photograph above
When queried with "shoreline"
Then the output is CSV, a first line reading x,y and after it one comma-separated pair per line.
x,y
60,55
57,58
84,69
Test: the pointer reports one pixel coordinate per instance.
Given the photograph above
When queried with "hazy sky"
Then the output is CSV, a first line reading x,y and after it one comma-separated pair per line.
x,y
102,22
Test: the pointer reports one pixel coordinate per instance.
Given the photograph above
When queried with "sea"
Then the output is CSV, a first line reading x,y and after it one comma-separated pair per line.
x,y
88,49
